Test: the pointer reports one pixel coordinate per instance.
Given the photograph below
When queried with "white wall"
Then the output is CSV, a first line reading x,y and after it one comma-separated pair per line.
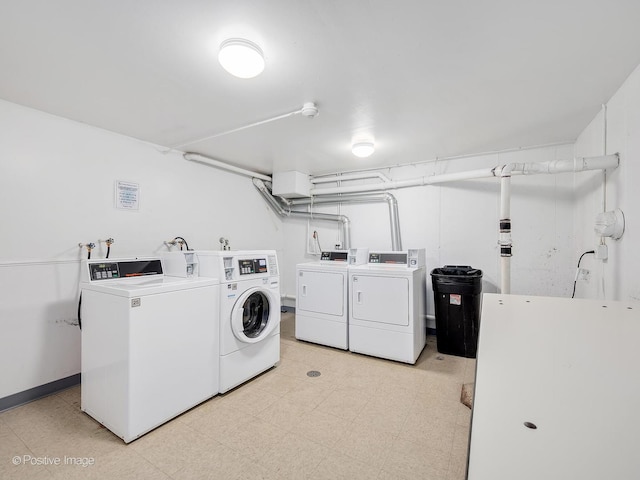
x,y
457,223
57,190
617,277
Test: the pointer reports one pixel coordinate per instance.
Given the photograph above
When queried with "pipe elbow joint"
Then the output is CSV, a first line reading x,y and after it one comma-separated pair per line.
x,y
506,170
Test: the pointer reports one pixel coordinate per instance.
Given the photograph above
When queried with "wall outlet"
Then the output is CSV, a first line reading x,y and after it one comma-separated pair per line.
x,y
584,275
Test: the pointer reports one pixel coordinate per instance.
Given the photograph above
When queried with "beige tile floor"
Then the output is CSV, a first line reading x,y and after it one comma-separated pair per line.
x,y
362,418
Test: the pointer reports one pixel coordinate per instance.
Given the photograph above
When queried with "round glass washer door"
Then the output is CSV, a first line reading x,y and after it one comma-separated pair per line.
x,y
255,315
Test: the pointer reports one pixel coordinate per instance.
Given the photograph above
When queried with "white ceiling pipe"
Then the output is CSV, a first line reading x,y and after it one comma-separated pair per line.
x,y
413,182
578,164
196,157
350,176
559,166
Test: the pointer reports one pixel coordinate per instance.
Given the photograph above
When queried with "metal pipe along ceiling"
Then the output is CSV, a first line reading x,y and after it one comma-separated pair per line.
x,y
280,210
394,219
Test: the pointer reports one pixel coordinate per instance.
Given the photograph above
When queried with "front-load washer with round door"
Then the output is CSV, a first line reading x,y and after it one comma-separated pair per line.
x,y
387,306
322,300
249,312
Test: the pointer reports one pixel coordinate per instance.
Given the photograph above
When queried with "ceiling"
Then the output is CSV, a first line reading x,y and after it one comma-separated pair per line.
x,y
427,79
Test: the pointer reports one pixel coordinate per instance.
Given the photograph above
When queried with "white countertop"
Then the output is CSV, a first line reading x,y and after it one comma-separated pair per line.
x,y
572,368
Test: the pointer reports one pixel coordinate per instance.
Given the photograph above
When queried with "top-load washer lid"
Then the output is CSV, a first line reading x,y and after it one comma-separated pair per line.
x,y
128,288
135,277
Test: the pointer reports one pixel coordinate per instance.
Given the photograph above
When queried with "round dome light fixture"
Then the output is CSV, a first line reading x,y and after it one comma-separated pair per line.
x,y
363,149
241,58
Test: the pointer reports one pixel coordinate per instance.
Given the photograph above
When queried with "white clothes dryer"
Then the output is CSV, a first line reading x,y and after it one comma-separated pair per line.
x,y
387,306
249,312
149,343
322,297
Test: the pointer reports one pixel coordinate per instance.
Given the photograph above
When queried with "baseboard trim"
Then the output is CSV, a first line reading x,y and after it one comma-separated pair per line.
x,y
35,393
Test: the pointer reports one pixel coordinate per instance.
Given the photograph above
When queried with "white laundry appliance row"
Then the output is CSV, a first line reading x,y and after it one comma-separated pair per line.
x,y
368,302
155,345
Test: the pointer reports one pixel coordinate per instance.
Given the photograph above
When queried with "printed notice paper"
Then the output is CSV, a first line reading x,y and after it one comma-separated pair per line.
x,y
127,195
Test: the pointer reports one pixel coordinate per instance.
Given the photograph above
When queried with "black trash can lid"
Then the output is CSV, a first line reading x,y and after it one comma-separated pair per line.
x,y
457,271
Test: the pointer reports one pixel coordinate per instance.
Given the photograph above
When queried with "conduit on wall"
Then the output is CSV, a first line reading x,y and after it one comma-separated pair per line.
x,y
196,157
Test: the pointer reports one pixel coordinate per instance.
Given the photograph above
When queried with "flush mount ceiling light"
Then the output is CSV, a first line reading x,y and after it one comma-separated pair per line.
x,y
241,58
362,149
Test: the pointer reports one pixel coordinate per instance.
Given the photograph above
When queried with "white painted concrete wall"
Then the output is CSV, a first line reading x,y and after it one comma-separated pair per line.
x,y
617,277
457,223
57,189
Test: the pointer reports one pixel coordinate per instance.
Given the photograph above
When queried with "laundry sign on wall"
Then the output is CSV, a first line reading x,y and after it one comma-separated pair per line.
x,y
127,195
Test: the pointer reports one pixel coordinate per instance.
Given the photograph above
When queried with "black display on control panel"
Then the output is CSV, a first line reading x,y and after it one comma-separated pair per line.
x,y
133,268
334,256
389,258
104,271
253,265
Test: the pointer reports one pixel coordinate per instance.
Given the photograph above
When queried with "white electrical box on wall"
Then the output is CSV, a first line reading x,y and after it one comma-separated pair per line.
x,y
610,224
291,184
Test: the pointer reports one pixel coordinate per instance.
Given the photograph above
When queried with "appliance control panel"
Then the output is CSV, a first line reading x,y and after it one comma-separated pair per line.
x,y
414,258
253,265
334,256
105,270
388,258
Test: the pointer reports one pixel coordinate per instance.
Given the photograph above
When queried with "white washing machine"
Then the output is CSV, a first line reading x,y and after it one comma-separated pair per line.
x,y
249,312
387,305
149,344
322,297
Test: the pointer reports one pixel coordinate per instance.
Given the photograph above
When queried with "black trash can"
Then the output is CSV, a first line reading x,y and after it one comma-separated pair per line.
x,y
456,291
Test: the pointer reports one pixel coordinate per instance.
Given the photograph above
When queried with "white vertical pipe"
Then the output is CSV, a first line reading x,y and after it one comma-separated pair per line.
x,y
505,197
505,229
505,275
